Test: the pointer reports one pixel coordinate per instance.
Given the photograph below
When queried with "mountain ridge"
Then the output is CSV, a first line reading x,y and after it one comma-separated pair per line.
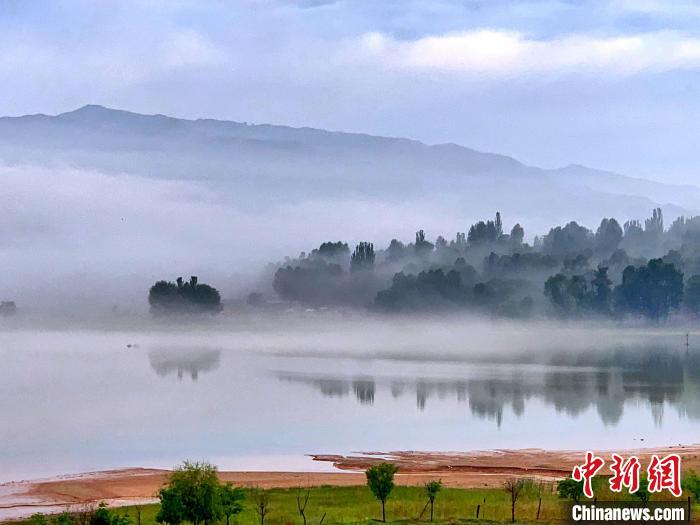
x,y
254,163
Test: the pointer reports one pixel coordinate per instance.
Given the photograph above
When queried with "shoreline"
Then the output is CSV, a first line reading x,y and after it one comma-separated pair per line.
x,y
475,469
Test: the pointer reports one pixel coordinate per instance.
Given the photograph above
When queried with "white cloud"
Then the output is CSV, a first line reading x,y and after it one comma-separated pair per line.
x,y
500,52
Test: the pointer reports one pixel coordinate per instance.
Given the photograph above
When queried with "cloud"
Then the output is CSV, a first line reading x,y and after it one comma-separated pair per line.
x,y
502,52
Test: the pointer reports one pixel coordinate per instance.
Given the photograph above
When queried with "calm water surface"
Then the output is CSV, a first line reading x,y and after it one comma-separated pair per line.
x,y
81,401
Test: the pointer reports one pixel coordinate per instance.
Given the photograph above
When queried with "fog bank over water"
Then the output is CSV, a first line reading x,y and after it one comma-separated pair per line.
x,y
262,392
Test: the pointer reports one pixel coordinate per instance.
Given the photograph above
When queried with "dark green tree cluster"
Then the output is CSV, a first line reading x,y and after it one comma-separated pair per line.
x,y
571,271
486,232
195,495
579,294
432,288
166,297
363,257
317,280
651,290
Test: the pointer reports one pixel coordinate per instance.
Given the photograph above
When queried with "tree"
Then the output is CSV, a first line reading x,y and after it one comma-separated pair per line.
x,y
570,489
172,509
422,246
231,500
655,224
261,499
396,250
517,234
691,483
608,236
431,491
651,290
691,294
333,251
103,516
572,238
513,487
184,297
557,289
38,519
380,480
428,289
602,292
363,257
485,232
64,518
192,494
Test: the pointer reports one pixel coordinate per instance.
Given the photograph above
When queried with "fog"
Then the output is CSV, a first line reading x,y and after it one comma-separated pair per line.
x,y
261,393
89,239
98,204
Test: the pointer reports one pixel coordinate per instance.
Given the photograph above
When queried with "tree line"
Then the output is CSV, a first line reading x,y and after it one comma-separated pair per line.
x,y
194,494
634,269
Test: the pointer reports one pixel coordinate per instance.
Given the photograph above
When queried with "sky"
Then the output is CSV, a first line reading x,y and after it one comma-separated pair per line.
x,y
610,84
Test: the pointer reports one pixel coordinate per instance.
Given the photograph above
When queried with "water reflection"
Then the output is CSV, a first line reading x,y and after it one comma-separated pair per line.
x,y
488,390
184,361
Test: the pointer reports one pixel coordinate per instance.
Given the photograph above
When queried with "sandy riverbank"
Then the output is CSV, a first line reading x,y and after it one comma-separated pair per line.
x,y
455,469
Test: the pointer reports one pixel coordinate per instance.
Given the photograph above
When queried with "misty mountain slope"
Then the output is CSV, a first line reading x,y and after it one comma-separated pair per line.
x,y
266,161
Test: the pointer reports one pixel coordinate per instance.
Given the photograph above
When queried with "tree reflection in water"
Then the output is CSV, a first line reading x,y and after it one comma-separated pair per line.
x,y
659,377
181,361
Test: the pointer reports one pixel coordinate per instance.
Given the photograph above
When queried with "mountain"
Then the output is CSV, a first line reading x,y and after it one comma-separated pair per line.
x,y
267,163
114,200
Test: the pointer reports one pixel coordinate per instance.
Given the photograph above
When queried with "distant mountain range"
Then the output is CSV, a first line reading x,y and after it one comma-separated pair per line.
x,y
265,165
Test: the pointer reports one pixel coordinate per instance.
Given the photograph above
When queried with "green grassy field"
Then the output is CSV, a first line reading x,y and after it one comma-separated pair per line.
x,y
356,504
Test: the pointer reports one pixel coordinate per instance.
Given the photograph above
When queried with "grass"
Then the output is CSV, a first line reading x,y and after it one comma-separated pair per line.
x,y
356,505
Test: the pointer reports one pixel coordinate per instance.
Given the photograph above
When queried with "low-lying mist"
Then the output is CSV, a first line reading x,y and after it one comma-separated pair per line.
x,y
73,240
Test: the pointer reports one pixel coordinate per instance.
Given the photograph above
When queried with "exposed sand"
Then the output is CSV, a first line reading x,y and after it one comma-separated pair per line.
x,y
455,469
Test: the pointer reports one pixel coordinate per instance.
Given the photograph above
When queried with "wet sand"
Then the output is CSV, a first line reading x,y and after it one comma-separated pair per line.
x,y
455,469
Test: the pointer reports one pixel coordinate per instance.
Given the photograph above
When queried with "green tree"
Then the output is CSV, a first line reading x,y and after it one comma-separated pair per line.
x,y
103,516
517,234
602,291
63,518
651,290
691,483
558,289
380,480
181,296
363,257
431,491
608,237
231,500
691,294
570,489
192,494
38,519
172,509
